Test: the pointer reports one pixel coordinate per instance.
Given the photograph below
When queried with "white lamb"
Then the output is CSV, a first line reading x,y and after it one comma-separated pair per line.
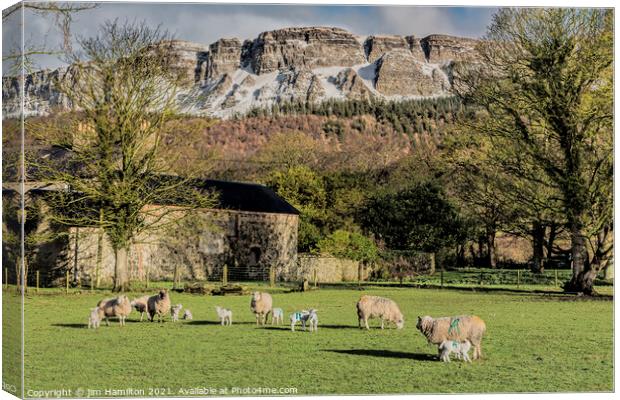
x,y
175,311
188,315
305,317
461,349
225,315
94,320
277,316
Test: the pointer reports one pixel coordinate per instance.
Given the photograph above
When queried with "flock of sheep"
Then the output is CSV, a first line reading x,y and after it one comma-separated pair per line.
x,y
451,334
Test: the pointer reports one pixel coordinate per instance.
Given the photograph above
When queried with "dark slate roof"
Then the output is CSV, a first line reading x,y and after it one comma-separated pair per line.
x,y
241,196
237,196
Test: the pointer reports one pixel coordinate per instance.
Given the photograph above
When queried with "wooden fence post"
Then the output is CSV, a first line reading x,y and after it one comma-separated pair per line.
x,y
225,275
6,278
272,276
441,276
147,278
480,277
556,277
316,278
518,277
67,281
38,281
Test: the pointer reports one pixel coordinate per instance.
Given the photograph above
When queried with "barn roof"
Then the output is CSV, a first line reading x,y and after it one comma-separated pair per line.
x,y
241,196
237,196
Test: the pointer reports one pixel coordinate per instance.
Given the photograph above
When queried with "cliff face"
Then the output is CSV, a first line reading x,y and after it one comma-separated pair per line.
x,y
307,64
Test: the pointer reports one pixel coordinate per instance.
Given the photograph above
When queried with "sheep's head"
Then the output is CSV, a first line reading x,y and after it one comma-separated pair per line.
x,y
256,296
400,323
163,293
423,323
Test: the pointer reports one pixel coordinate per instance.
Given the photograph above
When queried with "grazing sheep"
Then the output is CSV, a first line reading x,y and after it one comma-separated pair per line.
x,y
277,316
299,316
159,304
459,328
375,306
96,314
188,315
175,311
141,305
461,349
261,306
225,315
119,307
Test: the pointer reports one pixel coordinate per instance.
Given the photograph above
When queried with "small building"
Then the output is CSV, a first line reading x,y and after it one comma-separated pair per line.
x,y
250,231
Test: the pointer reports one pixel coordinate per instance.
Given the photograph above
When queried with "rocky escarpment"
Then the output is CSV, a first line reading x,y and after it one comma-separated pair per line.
x,y
292,64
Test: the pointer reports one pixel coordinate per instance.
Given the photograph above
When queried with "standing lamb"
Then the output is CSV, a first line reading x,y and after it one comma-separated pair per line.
x,y
225,315
159,304
261,306
175,311
379,307
119,307
141,305
461,349
96,314
187,315
459,328
277,316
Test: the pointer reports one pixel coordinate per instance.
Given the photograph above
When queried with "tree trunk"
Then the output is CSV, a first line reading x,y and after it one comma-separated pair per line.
x,y
608,270
121,269
460,256
96,281
538,239
553,232
582,280
491,253
432,259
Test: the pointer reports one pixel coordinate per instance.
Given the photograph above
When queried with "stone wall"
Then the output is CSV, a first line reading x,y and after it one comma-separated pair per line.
x,y
248,243
328,269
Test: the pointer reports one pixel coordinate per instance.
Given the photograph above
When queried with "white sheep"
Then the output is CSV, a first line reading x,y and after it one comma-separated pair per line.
x,y
141,305
461,349
261,306
379,307
119,307
159,305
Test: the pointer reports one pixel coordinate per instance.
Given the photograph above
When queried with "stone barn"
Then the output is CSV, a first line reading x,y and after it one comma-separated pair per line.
x,y
250,231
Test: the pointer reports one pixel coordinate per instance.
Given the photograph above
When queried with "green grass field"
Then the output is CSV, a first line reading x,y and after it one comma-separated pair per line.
x,y
534,343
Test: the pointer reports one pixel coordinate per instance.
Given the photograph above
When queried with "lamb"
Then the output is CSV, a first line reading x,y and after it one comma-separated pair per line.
x,y
461,349
188,315
459,328
96,314
225,315
375,306
119,307
299,316
277,316
261,306
141,305
159,304
175,311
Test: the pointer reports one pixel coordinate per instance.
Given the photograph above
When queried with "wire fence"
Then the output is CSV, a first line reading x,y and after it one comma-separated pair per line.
x,y
466,277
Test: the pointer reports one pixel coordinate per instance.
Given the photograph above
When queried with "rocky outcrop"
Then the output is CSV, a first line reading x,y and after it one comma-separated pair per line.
x,y
377,46
399,74
301,64
351,85
224,57
303,47
444,48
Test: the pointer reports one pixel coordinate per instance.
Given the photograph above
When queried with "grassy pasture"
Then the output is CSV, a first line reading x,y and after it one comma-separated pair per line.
x,y
533,344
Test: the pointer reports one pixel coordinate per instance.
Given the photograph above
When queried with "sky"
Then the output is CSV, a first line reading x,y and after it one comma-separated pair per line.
x,y
205,23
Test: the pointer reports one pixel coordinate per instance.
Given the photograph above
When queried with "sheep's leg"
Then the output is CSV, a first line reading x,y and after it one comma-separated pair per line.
x,y
366,323
107,323
381,323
